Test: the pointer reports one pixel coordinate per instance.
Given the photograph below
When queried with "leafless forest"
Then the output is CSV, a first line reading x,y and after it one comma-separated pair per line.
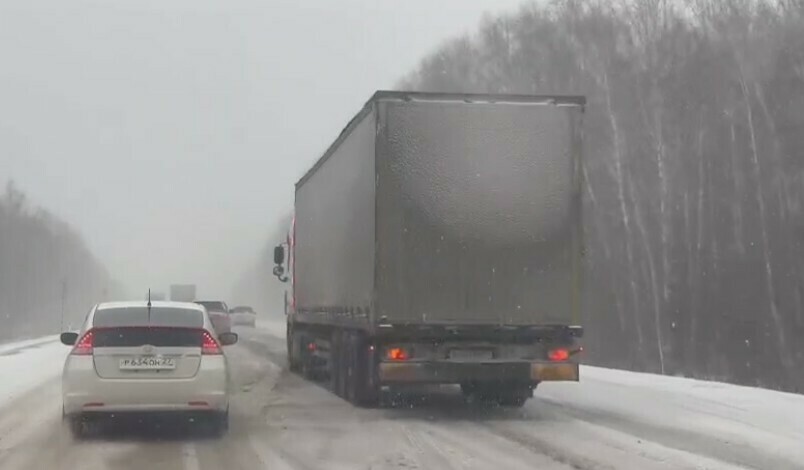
x,y
694,171
45,269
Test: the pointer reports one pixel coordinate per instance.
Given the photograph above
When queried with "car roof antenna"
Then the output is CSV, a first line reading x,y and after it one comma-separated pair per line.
x,y
149,306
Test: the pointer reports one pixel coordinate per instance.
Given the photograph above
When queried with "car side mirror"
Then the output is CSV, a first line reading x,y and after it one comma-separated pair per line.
x,y
68,338
228,339
279,254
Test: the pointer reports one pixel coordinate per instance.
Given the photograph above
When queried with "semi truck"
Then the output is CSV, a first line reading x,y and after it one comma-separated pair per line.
x,y
438,240
182,292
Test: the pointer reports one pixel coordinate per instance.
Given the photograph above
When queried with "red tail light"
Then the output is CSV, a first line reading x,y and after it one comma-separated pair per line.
x,y
558,355
208,344
85,345
397,354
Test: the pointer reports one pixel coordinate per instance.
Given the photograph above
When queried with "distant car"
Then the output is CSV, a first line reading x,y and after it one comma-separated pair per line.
x,y
219,314
131,359
243,315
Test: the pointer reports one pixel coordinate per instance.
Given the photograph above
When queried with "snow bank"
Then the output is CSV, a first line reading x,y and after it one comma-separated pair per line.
x,y
750,418
276,326
7,347
26,365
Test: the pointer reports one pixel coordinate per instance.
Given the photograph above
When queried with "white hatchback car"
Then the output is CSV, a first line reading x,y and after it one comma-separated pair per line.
x,y
136,357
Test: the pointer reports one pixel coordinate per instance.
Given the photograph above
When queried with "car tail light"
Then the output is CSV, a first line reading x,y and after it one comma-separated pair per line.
x,y
558,355
85,345
208,344
397,354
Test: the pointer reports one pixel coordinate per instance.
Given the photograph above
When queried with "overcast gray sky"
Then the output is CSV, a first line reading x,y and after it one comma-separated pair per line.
x,y
170,132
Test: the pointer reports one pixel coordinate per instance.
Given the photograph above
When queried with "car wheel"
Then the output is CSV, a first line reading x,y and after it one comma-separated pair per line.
x,y
220,423
77,426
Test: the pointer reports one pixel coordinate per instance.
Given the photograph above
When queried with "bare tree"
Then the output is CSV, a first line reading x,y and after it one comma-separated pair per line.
x,y
48,278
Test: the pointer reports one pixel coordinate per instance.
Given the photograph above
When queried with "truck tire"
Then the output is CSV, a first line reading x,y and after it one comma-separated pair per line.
x,y
305,359
343,369
512,400
514,395
350,365
335,374
293,361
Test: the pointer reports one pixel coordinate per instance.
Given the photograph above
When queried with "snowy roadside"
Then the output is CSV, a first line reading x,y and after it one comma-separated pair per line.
x,y
750,421
25,365
275,325
757,425
5,348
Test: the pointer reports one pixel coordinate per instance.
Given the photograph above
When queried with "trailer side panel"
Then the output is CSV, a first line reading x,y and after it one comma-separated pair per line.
x,y
334,246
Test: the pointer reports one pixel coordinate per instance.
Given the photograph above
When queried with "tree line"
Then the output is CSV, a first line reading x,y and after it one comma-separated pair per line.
x,y
694,171
48,277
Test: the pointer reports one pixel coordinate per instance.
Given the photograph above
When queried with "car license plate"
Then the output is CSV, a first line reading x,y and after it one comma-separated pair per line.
x,y
148,363
471,354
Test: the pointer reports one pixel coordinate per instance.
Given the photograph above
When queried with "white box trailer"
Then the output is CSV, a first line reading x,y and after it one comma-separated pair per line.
x,y
438,240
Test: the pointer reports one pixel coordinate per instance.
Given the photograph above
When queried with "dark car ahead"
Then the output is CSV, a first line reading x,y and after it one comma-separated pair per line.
x,y
219,314
244,315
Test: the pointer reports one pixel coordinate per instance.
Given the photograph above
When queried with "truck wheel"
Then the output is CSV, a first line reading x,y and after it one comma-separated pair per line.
x,y
293,362
334,363
305,359
515,395
350,379
343,365
509,400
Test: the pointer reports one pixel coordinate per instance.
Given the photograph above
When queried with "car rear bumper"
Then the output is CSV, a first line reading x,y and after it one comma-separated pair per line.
x,y
83,391
446,372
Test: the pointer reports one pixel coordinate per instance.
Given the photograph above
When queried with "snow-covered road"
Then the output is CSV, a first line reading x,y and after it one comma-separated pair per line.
x,y
611,420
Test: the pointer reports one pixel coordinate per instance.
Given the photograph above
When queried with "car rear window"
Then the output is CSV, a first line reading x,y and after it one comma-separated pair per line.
x,y
155,336
210,305
138,316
